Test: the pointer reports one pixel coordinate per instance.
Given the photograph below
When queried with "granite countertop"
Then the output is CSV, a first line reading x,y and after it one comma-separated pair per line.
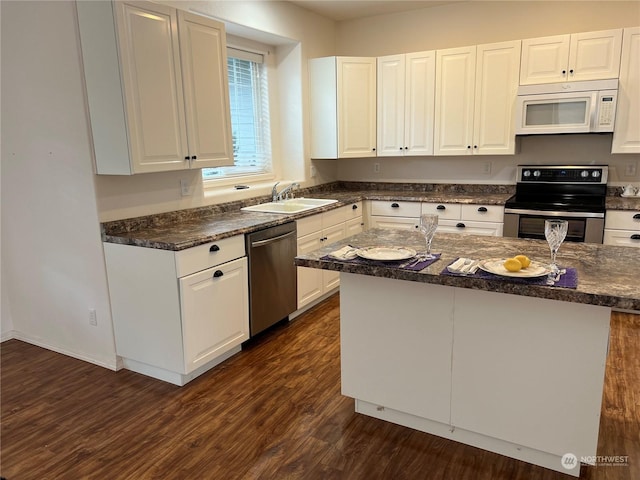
x,y
621,203
188,228
184,229
607,275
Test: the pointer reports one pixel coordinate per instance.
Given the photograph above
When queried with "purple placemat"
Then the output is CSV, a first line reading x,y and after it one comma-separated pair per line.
x,y
567,280
400,264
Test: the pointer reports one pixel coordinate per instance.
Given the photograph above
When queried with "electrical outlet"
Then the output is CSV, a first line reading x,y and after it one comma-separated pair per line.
x,y
93,319
313,171
630,170
376,167
185,188
486,168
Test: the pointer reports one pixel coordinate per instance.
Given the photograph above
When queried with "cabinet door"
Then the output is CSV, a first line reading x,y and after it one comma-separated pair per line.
x,y
420,77
151,74
544,60
626,136
215,312
354,226
595,55
356,107
455,89
497,76
309,279
391,103
206,90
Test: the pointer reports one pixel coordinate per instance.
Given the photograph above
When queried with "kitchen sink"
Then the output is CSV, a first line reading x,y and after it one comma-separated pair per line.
x,y
293,205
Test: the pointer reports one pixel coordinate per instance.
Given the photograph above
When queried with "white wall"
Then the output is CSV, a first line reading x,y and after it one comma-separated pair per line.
x,y
52,262
476,22
473,23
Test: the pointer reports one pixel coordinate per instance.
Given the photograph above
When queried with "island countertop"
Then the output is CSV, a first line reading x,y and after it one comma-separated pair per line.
x,y
607,275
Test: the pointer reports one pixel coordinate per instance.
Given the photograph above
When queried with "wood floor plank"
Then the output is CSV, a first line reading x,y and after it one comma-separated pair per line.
x,y
274,411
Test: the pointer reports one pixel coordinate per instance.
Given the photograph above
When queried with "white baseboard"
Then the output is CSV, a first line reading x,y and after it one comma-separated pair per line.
x,y
312,304
116,365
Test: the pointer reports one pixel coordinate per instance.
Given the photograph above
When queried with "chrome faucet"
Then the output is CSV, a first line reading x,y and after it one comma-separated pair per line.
x,y
274,193
284,194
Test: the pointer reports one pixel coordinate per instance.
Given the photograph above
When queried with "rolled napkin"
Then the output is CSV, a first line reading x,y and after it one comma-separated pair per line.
x,y
345,253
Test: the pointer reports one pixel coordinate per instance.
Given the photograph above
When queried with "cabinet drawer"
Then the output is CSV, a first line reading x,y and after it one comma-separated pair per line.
x,y
622,238
401,223
483,213
443,210
354,210
334,217
491,229
623,219
308,225
395,209
209,255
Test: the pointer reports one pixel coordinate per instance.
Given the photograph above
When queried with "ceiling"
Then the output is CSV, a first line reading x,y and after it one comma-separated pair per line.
x,y
340,10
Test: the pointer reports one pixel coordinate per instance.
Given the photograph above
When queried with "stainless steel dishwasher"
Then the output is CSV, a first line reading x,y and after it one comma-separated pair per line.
x,y
272,275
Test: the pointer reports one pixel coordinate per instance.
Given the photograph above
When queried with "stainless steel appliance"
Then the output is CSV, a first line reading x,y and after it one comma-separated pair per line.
x,y
272,275
572,107
573,193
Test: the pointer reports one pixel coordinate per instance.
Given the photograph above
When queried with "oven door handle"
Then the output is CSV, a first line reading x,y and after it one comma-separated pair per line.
x,y
545,213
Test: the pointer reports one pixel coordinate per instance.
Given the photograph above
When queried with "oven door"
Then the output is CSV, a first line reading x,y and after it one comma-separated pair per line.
x,y
583,227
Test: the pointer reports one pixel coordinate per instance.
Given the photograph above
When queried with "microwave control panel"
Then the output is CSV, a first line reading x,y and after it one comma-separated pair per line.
x,y
606,111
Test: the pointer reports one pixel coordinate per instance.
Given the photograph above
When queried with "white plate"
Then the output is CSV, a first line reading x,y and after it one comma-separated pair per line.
x,y
495,265
386,254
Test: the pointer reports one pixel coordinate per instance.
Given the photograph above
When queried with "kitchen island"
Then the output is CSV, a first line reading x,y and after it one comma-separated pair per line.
x,y
513,368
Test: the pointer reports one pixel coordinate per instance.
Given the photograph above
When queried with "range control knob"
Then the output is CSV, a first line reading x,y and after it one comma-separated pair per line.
x,y
584,173
595,174
526,173
536,173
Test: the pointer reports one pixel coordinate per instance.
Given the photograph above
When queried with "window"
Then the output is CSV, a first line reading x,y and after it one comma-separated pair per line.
x,y
249,102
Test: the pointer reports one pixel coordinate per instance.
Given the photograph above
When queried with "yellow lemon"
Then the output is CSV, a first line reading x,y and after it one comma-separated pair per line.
x,y
524,260
512,265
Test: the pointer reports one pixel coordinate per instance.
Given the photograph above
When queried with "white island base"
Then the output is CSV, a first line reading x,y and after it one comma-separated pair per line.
x,y
516,375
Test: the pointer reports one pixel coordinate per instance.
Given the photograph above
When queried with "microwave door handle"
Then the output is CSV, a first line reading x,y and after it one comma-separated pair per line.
x,y
593,121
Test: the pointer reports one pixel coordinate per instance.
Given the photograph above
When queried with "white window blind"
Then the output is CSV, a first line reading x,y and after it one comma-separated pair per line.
x,y
249,102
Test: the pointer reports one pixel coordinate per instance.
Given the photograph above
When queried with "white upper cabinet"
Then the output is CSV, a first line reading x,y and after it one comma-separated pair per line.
x,y
203,51
157,87
455,90
476,89
406,88
626,137
575,57
343,107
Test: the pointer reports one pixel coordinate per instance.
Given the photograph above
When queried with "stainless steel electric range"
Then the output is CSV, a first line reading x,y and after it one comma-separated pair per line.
x,y
575,193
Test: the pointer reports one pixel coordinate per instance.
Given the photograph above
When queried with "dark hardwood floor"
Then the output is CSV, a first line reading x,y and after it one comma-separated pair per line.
x,y
274,411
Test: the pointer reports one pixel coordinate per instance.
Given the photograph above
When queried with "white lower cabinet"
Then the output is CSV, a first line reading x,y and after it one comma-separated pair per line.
x,y
178,314
452,217
212,321
467,219
314,232
394,214
622,227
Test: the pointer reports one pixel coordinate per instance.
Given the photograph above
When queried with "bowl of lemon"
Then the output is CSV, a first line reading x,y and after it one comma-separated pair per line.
x,y
518,266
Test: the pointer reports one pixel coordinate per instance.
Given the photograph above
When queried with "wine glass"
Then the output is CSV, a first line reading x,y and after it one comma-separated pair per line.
x,y
555,232
428,226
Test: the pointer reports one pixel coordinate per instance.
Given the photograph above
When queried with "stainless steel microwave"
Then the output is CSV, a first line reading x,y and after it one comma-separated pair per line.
x,y
572,107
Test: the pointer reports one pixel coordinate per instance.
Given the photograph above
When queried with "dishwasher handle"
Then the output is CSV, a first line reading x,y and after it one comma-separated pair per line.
x,y
262,243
